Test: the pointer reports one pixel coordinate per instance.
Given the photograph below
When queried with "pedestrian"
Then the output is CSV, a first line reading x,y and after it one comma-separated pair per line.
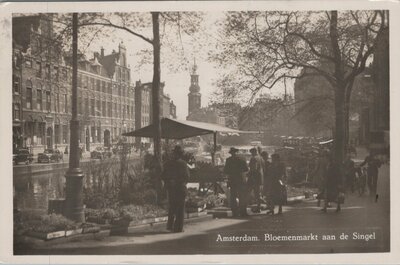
x,y
175,174
276,174
333,185
235,168
349,173
373,165
256,178
320,173
267,184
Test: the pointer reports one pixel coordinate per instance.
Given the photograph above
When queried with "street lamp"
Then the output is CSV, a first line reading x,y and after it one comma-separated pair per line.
x,y
74,176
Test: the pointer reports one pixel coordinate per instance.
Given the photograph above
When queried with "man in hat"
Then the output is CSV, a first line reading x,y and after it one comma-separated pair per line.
x,y
175,175
256,179
235,168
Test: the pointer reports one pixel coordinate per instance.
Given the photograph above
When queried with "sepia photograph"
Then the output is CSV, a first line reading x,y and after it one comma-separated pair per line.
x,y
243,131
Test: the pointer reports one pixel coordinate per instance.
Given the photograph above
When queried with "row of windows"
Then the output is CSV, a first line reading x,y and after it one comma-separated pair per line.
x,y
41,94
102,86
45,70
83,80
97,108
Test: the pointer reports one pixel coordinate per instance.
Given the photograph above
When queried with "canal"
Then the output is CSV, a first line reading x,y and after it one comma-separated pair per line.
x,y
34,185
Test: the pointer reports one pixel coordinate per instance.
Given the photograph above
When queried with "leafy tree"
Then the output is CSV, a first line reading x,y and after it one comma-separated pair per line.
x,y
266,48
154,28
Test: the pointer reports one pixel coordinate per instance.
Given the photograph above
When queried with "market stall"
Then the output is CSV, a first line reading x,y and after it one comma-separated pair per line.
x,y
181,129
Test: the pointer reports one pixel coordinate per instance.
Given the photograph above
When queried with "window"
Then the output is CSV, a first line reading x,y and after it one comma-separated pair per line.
x,y
39,69
65,103
40,133
115,110
98,108
48,101
104,113
16,84
99,134
47,71
57,103
92,107
109,88
98,85
16,113
93,133
109,109
86,106
39,99
104,88
65,134
57,134
127,112
84,81
29,95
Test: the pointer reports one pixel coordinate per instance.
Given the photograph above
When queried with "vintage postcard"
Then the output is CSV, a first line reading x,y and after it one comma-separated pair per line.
x,y
235,132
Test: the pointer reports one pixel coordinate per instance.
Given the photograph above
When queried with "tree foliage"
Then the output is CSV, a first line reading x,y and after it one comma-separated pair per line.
x,y
262,49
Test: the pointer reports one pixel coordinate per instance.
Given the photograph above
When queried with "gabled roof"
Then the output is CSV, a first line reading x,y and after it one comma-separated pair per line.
x,y
108,61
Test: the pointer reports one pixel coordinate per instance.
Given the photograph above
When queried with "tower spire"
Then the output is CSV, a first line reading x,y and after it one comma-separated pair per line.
x,y
194,68
194,90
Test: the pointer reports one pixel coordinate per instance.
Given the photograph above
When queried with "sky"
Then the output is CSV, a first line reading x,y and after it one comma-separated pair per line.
x,y
177,82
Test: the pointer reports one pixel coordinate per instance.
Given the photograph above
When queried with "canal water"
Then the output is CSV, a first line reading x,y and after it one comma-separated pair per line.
x,y
33,191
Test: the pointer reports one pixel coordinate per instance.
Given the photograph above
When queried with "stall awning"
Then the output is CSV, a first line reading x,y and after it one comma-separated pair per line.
x,y
179,129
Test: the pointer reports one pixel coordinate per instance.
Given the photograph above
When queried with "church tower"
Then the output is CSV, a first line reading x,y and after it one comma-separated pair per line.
x,y
194,94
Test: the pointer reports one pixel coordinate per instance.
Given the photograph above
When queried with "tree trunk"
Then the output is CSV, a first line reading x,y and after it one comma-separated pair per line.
x,y
340,130
347,112
346,125
156,103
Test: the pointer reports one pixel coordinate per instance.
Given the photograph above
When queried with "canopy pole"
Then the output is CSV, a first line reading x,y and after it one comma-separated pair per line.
x,y
214,150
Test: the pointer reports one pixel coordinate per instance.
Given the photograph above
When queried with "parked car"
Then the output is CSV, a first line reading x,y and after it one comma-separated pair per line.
x,y
100,153
22,155
50,155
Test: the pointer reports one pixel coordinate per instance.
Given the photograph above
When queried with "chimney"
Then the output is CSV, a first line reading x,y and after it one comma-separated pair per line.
x,y
102,52
138,83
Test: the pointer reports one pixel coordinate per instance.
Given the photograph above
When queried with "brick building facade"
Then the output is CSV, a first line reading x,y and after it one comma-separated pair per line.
x,y
42,91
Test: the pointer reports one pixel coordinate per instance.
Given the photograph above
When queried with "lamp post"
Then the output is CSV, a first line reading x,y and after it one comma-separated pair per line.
x,y
74,176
